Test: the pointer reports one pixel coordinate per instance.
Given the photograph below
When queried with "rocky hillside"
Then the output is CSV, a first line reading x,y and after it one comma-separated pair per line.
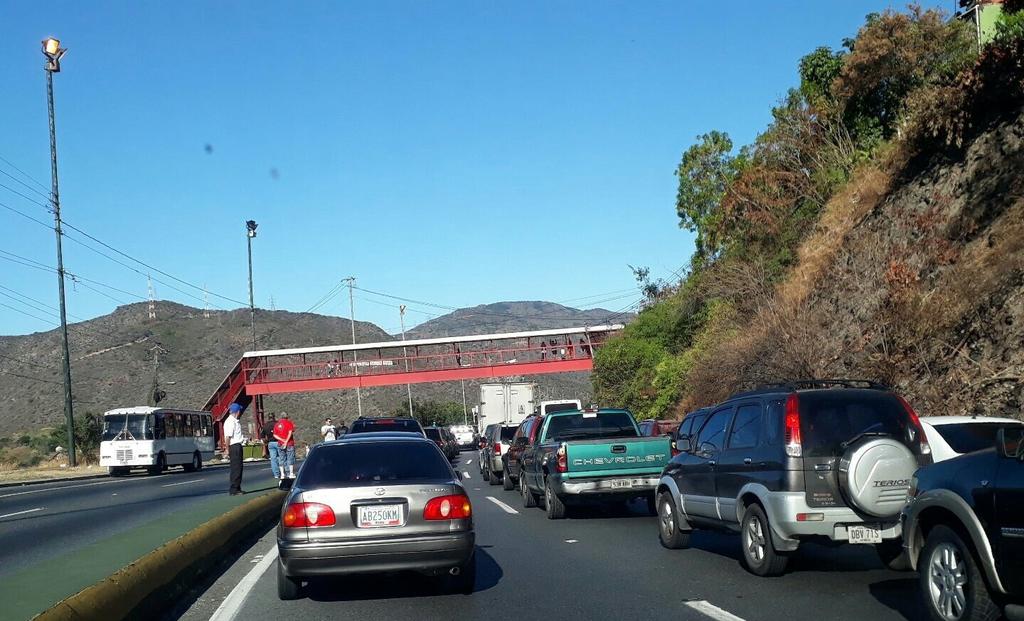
x,y
117,359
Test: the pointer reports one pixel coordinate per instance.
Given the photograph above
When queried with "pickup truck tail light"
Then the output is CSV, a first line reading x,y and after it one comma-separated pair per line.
x,y
794,447
922,439
497,449
308,515
562,464
454,507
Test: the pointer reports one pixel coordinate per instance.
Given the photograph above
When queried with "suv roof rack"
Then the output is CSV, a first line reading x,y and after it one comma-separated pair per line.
x,y
811,384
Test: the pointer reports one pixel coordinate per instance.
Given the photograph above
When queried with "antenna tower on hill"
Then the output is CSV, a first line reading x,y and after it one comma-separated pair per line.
x,y
152,298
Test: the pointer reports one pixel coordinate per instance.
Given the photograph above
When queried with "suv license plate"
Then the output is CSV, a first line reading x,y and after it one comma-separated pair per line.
x,y
380,516
864,534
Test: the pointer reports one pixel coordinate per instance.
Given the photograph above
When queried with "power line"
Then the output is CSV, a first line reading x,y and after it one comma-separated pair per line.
x,y
335,290
34,379
25,174
25,215
30,188
48,322
24,196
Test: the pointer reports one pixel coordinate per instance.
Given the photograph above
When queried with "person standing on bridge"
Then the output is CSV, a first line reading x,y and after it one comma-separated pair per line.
x,y
234,438
284,433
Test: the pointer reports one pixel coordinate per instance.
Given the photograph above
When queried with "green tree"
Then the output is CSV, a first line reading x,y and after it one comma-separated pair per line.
x,y
818,73
88,434
430,412
705,172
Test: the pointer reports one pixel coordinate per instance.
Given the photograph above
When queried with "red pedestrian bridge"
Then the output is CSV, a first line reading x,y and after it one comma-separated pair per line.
x,y
418,361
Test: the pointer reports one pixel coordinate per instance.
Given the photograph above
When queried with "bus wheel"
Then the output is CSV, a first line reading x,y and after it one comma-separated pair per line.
x,y
197,463
116,471
159,466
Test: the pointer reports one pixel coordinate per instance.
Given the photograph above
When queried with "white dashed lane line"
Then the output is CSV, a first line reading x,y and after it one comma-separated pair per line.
x,y
710,610
465,475
229,608
7,515
503,506
183,483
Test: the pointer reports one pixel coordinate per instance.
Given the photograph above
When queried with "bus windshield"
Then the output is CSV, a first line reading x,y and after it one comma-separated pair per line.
x,y
126,427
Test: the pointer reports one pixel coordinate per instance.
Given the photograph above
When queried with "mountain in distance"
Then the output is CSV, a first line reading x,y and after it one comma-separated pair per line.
x,y
118,358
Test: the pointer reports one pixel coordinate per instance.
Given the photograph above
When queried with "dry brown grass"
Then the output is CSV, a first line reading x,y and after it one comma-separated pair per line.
x,y
11,474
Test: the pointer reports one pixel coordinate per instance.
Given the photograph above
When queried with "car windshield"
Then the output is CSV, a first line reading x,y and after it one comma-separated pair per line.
x,y
368,463
830,418
586,425
384,424
971,437
126,427
507,433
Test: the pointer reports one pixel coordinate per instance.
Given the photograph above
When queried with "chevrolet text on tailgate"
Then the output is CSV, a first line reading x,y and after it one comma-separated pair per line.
x,y
590,456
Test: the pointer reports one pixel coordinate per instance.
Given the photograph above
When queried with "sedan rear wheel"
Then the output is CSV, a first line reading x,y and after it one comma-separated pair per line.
x,y
287,586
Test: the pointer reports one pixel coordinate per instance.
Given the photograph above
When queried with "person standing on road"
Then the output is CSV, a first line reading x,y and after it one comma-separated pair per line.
x,y
267,433
234,439
328,432
284,433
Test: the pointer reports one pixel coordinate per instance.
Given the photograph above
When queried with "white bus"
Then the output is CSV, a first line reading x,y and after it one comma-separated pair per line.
x,y
155,438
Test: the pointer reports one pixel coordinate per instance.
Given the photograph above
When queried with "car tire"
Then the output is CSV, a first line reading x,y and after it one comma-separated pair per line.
x,y
553,505
529,500
159,466
288,588
507,483
668,526
485,474
497,478
892,555
759,554
946,556
195,464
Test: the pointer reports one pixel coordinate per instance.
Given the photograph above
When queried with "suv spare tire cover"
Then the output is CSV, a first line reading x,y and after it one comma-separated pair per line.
x,y
874,476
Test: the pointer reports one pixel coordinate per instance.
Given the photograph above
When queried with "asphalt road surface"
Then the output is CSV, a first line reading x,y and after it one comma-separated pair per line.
x,y
596,565
51,520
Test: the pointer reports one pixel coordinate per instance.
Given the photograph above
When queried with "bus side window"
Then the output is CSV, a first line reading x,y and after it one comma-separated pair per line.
x,y
172,425
209,425
196,428
158,427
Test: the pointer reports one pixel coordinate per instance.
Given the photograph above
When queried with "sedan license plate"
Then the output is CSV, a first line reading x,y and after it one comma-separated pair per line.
x,y
380,516
864,534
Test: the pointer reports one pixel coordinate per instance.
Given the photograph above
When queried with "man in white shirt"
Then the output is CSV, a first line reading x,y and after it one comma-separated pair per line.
x,y
234,439
327,432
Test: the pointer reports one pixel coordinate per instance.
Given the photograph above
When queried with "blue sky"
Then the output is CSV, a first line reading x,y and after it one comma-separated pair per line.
x,y
453,152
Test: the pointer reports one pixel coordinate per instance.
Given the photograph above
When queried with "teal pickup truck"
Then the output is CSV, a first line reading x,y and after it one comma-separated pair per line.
x,y
590,456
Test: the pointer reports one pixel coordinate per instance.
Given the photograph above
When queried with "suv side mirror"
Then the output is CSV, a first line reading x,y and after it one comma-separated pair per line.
x,y
1009,441
684,445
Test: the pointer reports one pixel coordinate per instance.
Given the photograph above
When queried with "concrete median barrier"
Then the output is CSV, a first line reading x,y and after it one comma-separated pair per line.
x,y
146,588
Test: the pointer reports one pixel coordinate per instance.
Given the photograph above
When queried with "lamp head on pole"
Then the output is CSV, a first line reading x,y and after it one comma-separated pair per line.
x,y
251,225
53,52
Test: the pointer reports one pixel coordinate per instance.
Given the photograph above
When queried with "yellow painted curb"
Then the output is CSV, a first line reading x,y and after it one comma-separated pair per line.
x,y
145,587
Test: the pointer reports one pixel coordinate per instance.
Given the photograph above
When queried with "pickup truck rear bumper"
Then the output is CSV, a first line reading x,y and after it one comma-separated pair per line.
x,y
605,486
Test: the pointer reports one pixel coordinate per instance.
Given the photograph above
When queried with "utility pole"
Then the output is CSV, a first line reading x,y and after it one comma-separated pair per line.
x,y
408,387
53,52
250,226
352,322
465,413
206,303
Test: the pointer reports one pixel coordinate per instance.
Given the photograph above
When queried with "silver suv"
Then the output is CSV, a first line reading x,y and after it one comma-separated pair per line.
x,y
376,502
830,459
495,442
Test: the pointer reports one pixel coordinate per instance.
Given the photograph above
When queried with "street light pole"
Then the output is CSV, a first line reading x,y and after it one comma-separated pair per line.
x,y
250,227
465,413
352,322
408,387
53,52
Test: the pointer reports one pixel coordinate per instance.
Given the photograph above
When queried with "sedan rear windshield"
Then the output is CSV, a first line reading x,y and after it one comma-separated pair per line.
x,y
368,463
584,426
433,434
832,419
385,424
970,437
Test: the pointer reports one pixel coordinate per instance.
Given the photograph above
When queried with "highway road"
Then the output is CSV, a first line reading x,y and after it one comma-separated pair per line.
x,y
53,520
598,565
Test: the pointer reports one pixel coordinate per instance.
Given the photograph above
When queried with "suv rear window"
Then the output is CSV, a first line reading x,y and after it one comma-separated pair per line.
x,y
829,418
369,425
433,433
507,433
582,426
970,437
355,464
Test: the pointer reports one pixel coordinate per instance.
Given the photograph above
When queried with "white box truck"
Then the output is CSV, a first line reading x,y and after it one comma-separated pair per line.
x,y
507,403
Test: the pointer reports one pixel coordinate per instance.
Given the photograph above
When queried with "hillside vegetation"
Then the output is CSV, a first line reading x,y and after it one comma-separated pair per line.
x,y
874,229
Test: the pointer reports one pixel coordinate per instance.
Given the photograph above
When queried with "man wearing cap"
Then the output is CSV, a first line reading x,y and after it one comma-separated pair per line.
x,y
234,439
284,433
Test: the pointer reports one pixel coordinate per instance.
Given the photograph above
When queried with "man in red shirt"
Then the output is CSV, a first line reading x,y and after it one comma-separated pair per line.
x,y
284,433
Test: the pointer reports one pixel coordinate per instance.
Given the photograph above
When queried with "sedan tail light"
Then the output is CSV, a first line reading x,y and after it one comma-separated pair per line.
x,y
308,515
454,507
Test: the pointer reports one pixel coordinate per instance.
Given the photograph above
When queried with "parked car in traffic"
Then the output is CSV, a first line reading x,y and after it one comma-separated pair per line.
x,y
496,443
590,457
652,428
692,423
438,436
511,465
952,436
376,502
366,424
822,458
964,531
464,435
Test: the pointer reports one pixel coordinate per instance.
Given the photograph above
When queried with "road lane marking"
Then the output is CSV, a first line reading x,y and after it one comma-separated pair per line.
x,y
182,483
7,515
504,507
229,608
465,475
572,540
710,610
469,461
53,489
